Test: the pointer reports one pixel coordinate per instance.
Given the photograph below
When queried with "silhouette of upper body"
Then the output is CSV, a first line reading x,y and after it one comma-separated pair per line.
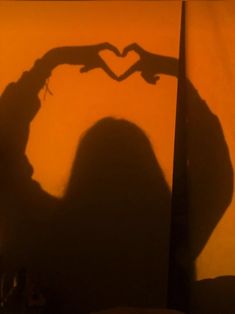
x,y
104,244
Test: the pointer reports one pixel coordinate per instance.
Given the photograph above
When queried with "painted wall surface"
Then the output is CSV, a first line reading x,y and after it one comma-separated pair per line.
x,y
210,44
76,102
31,29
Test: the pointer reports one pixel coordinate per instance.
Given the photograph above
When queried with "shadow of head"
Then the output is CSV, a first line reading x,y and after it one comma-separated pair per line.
x,y
116,166
118,214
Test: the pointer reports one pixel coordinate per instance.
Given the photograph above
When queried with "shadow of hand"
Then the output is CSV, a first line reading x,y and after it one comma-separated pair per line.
x,y
87,56
149,65
93,60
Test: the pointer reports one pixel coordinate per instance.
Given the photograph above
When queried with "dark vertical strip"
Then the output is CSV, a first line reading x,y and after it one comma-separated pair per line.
x,y
178,280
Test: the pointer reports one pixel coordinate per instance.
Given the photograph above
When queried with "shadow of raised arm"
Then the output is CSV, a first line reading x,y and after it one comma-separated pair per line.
x,y
20,103
209,169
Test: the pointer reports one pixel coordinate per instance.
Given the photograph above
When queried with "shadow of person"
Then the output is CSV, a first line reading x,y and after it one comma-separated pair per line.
x,y
210,191
24,204
203,180
104,244
115,229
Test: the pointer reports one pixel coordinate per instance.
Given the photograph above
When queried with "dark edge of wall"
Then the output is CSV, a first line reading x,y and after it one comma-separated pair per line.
x,y
179,265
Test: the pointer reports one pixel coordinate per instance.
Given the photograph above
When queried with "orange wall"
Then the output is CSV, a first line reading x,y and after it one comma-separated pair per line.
x,y
210,47
29,29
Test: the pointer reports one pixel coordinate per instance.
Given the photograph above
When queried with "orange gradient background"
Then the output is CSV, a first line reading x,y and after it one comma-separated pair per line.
x,y
210,50
29,29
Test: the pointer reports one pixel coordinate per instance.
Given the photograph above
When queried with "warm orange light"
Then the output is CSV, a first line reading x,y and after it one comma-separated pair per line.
x,y
29,29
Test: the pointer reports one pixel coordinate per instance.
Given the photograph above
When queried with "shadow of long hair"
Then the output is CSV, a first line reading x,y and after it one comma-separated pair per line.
x,y
117,219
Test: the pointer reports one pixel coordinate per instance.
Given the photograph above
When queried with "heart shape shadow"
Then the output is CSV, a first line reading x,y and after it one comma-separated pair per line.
x,y
119,64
